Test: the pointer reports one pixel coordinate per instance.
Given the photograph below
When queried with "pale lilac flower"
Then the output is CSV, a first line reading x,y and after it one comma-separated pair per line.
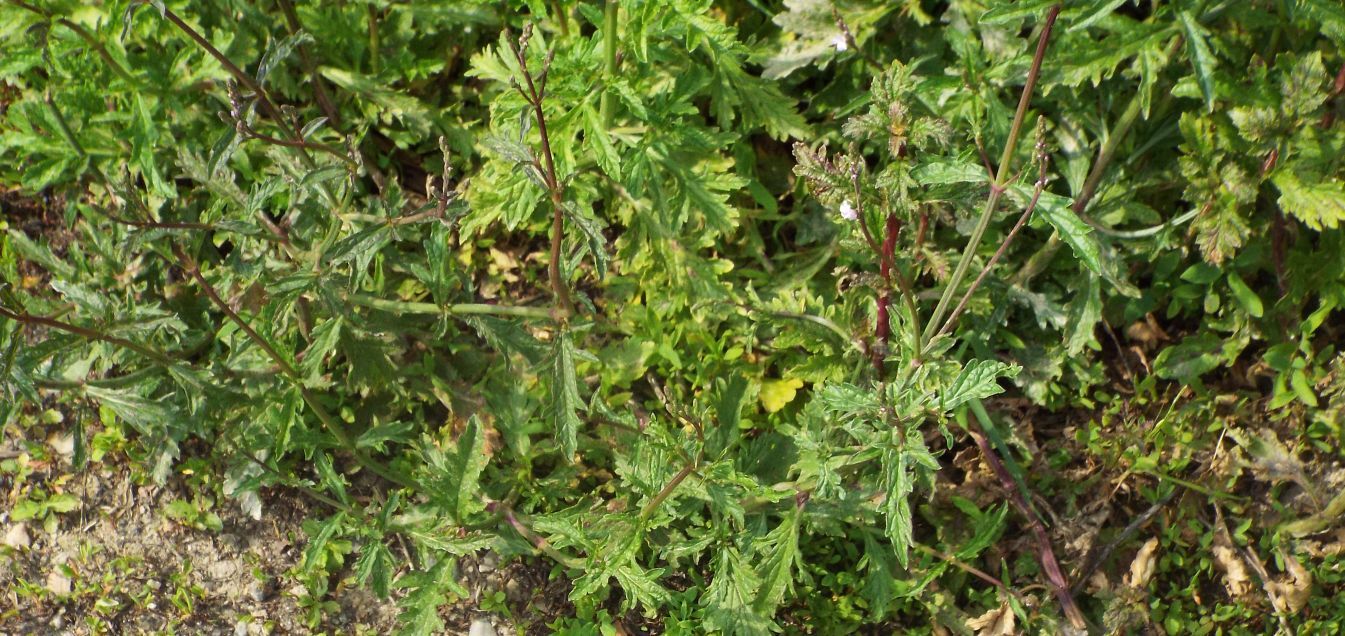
x,y
848,211
840,43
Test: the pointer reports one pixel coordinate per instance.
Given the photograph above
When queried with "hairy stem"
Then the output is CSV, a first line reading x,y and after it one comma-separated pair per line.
x,y
653,505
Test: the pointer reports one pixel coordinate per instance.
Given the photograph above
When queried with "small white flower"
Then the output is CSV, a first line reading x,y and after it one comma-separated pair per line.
x,y
840,43
848,211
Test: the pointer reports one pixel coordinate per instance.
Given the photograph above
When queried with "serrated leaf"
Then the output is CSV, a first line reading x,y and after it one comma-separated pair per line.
x,y
946,172
360,245
420,607
1201,58
781,550
594,241
1095,11
1319,204
728,600
979,379
1008,11
565,401
378,435
597,138
1077,234
314,553
325,338
507,336
456,475
372,568
1328,14
147,416
898,483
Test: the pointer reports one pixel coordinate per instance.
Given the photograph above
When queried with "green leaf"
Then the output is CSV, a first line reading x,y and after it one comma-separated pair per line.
x,y
979,379
781,550
596,244
1319,204
565,400
1196,355
147,416
420,607
1201,57
728,600
1329,16
1077,234
1085,311
1008,11
373,567
1251,303
898,484
455,477
315,554
63,502
392,431
945,172
359,245
325,338
1095,11
597,138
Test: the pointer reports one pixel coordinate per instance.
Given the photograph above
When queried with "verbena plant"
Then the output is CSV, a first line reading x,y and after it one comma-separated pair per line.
x,y
547,279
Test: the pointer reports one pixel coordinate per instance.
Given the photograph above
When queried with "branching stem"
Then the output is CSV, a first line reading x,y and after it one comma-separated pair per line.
x,y
998,186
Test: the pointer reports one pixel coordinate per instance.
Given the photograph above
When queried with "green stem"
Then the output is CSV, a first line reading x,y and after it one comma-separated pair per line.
x,y
374,42
269,108
64,128
107,383
458,309
609,44
653,505
1001,179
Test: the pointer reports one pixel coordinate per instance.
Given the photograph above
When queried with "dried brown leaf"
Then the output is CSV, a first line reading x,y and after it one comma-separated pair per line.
x,y
1291,593
1142,568
996,622
1236,579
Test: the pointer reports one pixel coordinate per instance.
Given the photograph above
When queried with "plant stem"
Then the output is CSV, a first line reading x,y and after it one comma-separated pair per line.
x,y
287,369
1045,554
883,330
84,35
1042,257
459,309
89,334
267,106
1001,179
374,41
609,43
999,253
535,93
653,505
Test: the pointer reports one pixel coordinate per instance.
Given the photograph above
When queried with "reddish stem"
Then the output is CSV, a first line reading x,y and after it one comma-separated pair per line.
x,y
884,328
